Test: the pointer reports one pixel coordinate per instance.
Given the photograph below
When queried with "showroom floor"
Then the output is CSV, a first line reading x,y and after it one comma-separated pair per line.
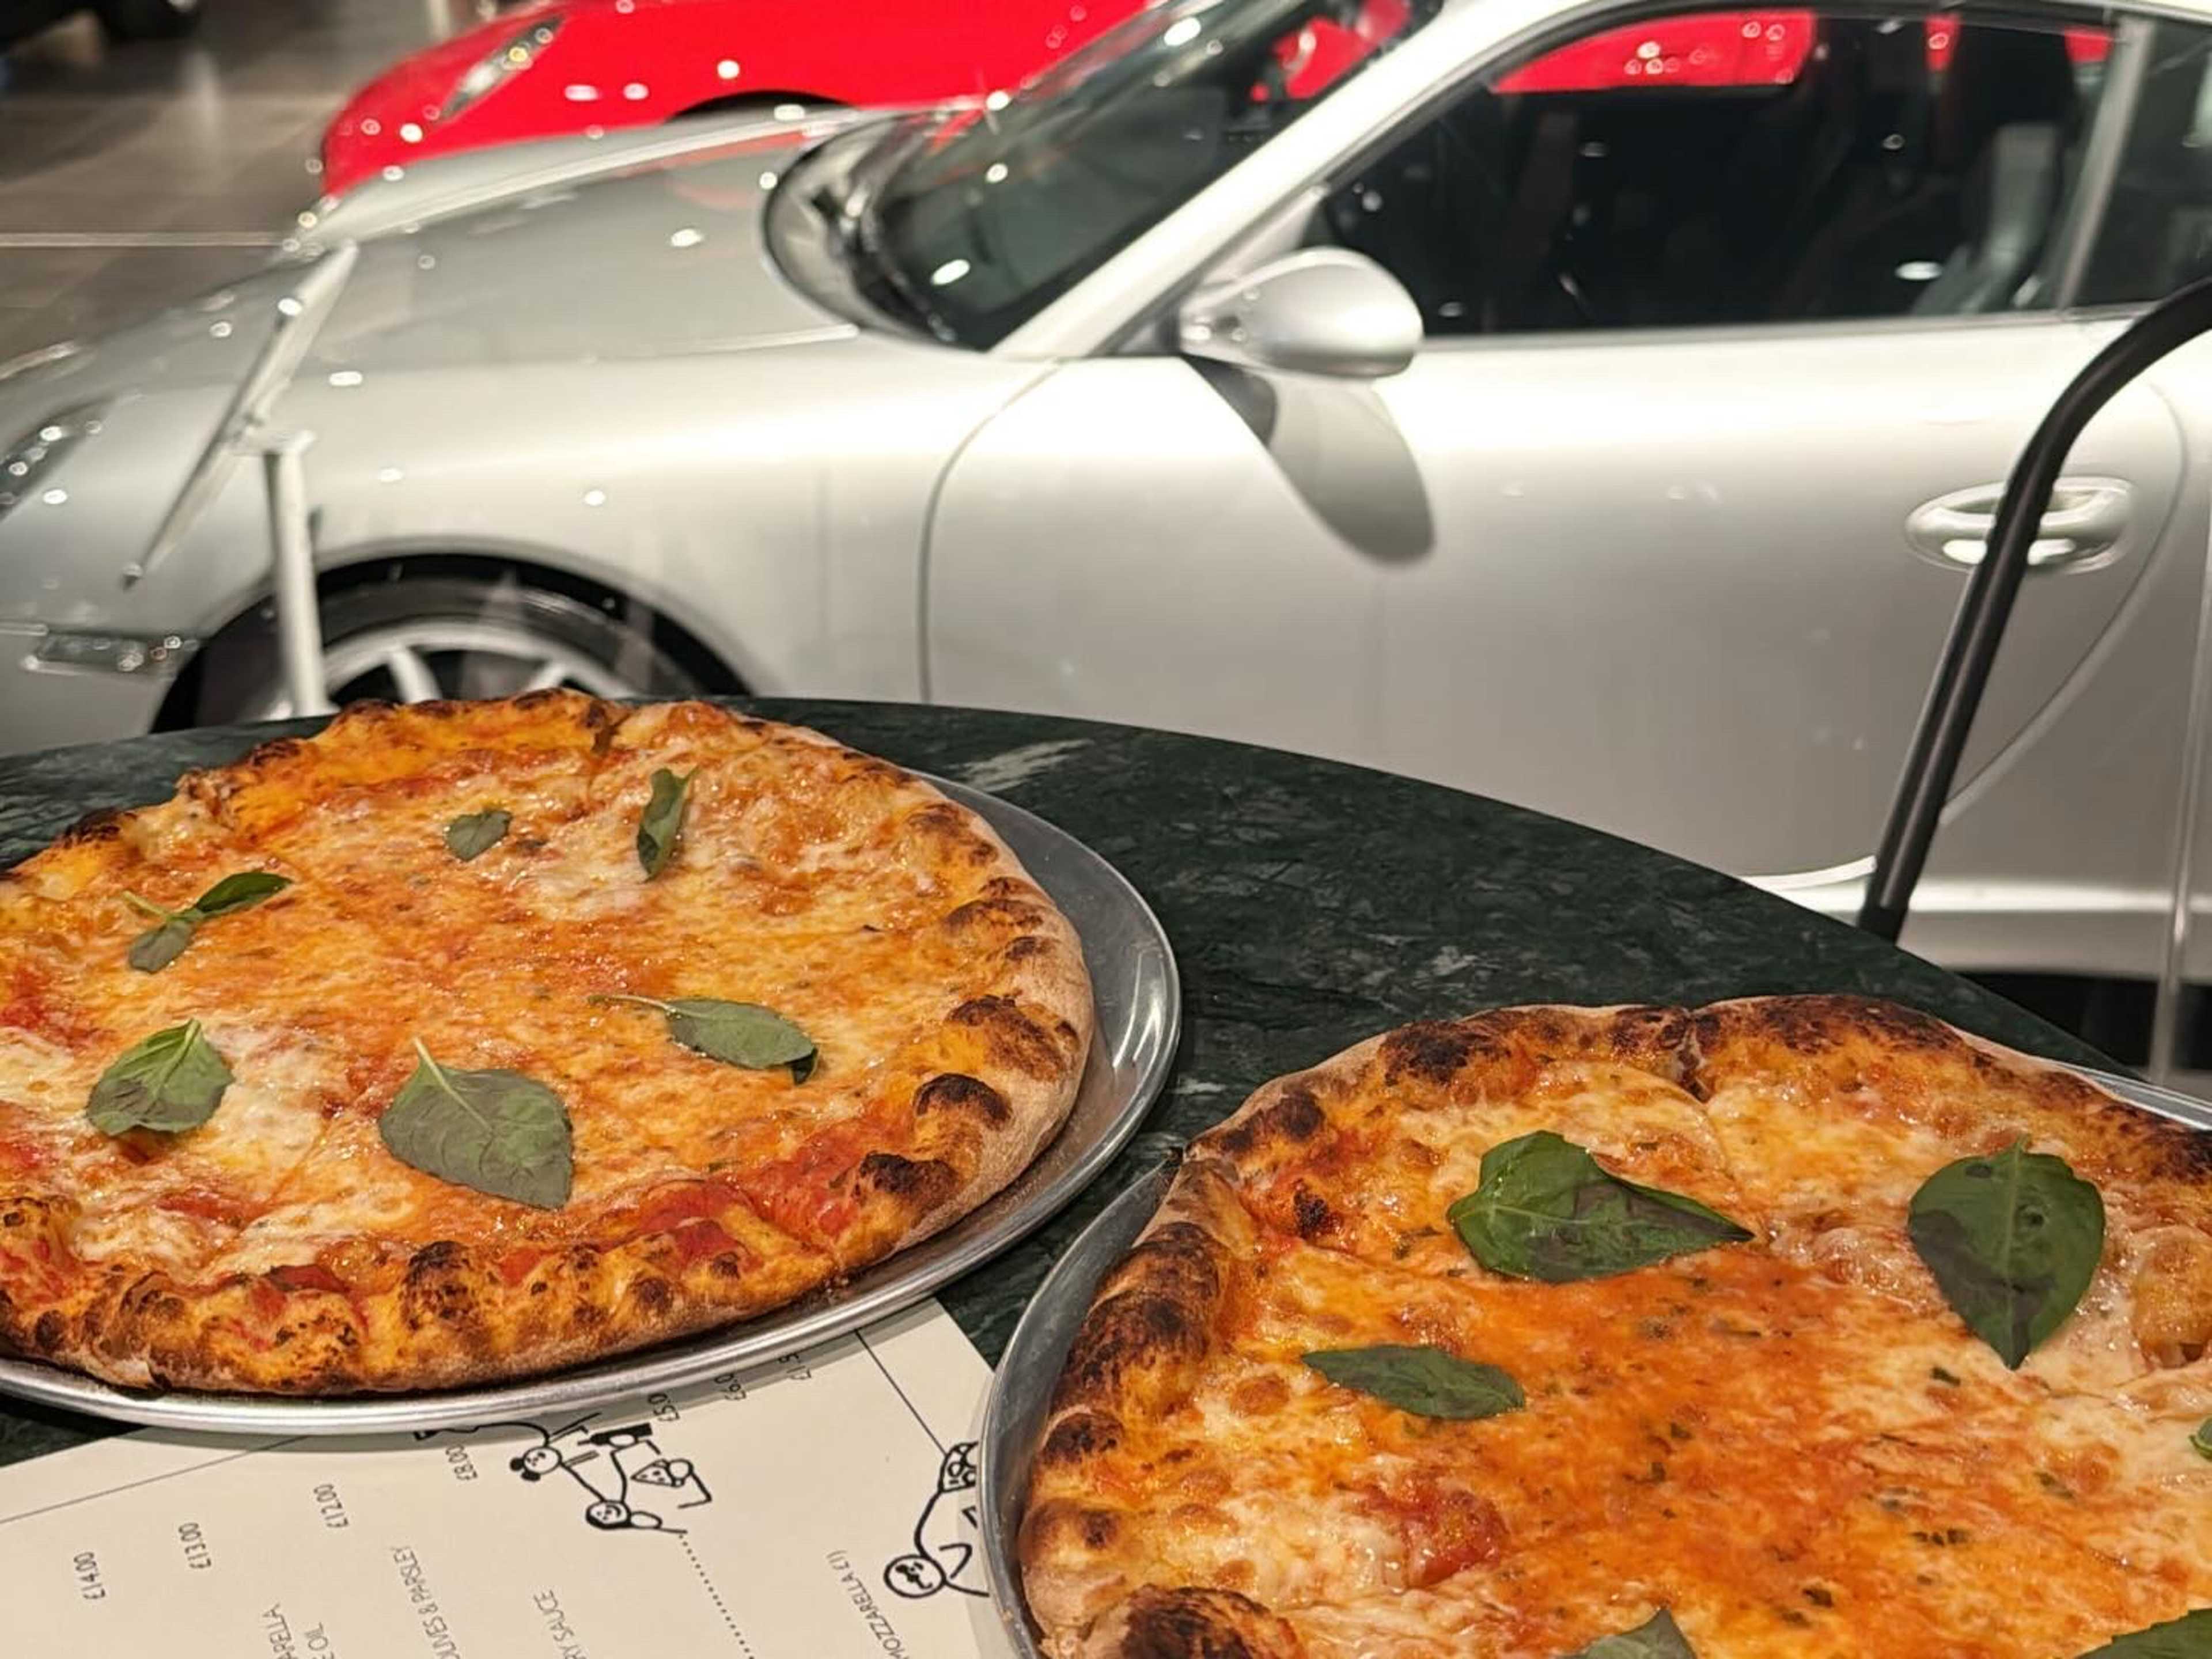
x,y
130,175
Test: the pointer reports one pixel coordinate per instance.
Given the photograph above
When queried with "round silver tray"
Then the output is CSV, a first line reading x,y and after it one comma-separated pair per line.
x,y
1015,1410
1138,1002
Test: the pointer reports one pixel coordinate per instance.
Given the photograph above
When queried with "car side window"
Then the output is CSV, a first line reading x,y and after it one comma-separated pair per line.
x,y
1739,167
2156,232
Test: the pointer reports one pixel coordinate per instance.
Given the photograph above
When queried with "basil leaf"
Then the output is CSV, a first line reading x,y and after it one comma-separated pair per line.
x,y
662,821
2201,1441
475,833
157,947
2013,1240
173,1080
2189,1637
1658,1637
1547,1210
239,892
735,1033
1428,1382
498,1132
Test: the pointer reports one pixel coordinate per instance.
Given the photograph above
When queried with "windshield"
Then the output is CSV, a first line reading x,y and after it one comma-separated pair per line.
x,y
1003,209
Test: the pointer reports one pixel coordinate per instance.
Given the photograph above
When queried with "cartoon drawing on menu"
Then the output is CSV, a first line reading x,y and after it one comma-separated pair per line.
x,y
628,1483
946,1552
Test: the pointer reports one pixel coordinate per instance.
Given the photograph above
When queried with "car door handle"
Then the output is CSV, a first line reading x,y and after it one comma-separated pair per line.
x,y
2085,519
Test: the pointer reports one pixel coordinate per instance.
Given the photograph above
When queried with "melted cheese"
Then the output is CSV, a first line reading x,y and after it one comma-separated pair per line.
x,y
1793,1445
802,882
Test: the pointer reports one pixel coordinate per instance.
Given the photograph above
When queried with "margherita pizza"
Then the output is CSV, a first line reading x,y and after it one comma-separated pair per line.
x,y
469,1040
1807,1326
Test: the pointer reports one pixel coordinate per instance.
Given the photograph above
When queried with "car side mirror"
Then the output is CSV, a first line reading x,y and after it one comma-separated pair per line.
x,y
1320,311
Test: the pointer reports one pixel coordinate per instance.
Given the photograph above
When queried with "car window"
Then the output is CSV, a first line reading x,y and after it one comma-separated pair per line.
x,y
2156,232
1006,207
1739,167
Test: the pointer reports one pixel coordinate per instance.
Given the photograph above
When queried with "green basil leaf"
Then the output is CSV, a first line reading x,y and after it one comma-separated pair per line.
x,y
2013,1240
1427,1382
157,947
173,1080
2201,1441
475,833
239,892
662,821
2189,1637
498,1132
1658,1637
162,945
1547,1210
735,1033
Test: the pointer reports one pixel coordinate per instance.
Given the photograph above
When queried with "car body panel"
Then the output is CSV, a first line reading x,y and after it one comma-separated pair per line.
x,y
160,388
700,427
1454,588
773,501
615,63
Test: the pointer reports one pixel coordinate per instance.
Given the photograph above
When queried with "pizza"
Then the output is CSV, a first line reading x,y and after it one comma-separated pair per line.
x,y
466,1041
1791,1327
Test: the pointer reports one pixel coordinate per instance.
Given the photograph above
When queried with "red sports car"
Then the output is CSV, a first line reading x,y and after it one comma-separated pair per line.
x,y
557,67
565,66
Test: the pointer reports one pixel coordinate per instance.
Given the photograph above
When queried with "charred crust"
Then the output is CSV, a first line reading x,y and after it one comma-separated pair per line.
x,y
922,1185
939,817
653,1295
1059,1525
1077,1436
1014,1039
1655,1039
1197,1623
956,1091
105,824
1123,1333
1157,1314
434,1258
1813,1025
277,750
1015,914
1292,1117
1432,1051
1309,1212
1028,945
437,1290
50,1333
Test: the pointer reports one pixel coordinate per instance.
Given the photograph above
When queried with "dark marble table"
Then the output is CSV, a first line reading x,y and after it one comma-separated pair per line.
x,y
1310,904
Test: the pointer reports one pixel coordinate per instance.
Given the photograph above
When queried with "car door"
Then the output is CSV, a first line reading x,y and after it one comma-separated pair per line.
x,y
1727,355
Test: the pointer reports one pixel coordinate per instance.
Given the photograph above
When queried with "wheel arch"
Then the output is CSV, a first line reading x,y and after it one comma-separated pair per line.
x,y
716,664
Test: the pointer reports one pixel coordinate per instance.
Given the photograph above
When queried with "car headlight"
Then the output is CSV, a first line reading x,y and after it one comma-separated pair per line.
x,y
495,68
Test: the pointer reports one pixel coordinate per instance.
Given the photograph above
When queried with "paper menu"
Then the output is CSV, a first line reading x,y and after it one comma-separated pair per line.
x,y
817,1507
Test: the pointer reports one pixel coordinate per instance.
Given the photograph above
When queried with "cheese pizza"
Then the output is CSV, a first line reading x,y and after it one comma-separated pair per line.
x,y
466,1041
1792,1326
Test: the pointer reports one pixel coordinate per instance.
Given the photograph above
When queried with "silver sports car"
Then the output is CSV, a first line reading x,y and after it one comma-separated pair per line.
x,y
1593,406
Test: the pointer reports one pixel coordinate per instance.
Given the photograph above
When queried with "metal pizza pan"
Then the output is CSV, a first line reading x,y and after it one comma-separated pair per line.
x,y
1138,998
1015,1411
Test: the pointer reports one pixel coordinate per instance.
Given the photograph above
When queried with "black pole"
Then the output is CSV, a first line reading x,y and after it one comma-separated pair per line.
x,y
1963,672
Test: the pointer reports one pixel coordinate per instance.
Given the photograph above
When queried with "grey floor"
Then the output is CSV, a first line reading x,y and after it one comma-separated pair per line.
x,y
133,175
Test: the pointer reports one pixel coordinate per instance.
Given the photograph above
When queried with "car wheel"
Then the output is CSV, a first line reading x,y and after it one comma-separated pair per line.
x,y
409,639
147,20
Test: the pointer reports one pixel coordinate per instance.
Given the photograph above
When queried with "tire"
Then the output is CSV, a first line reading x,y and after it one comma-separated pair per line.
x,y
475,637
147,20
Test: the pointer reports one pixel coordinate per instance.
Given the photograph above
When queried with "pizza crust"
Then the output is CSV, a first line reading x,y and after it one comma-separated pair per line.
x,y
954,1033
1196,1493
